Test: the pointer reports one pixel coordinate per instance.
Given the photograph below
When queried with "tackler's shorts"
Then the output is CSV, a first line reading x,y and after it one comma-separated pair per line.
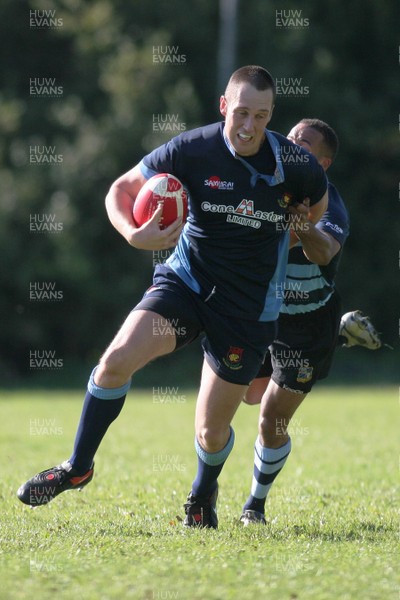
x,y
234,348
303,351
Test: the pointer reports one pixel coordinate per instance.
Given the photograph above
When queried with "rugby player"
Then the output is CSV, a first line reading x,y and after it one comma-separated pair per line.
x,y
309,324
220,280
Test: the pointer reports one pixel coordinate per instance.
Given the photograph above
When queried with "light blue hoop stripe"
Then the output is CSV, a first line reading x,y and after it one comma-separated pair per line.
x,y
106,393
271,456
215,458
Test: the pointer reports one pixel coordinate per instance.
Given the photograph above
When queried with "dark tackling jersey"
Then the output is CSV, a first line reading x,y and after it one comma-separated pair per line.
x,y
308,286
233,248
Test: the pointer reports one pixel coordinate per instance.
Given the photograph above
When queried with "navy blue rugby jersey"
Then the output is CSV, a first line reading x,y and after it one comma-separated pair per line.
x,y
308,286
233,248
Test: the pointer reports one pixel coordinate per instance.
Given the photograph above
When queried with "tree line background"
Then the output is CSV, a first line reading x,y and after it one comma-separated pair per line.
x,y
111,90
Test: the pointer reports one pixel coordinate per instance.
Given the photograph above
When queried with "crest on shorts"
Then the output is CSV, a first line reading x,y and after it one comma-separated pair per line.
x,y
233,358
304,374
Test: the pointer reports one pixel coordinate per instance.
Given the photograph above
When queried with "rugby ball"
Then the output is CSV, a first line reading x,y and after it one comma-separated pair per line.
x,y
164,189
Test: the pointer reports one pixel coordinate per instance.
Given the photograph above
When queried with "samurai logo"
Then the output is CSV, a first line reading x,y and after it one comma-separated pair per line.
x,y
233,358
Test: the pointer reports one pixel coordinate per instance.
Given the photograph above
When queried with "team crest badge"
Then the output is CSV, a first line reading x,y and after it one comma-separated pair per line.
x,y
233,358
304,374
285,200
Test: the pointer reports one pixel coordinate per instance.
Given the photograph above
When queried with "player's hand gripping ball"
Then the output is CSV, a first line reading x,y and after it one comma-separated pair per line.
x,y
163,189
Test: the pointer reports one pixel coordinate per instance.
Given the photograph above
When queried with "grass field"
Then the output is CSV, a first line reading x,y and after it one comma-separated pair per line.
x,y
333,518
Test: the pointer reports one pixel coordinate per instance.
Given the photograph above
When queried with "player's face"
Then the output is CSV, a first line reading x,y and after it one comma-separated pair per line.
x,y
247,112
310,139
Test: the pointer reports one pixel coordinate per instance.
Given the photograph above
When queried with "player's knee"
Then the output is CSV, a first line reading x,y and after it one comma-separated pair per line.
x,y
264,426
112,371
251,398
273,431
212,439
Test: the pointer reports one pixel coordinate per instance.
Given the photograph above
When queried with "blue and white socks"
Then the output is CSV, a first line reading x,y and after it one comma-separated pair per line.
x,y
267,464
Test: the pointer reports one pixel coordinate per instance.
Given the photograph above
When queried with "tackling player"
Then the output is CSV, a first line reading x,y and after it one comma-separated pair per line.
x,y
220,280
308,324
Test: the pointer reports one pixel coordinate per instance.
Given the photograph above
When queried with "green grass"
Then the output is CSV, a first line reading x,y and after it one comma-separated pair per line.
x,y
333,527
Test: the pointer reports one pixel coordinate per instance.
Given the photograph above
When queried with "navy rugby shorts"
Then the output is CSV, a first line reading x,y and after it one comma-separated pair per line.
x,y
303,351
234,348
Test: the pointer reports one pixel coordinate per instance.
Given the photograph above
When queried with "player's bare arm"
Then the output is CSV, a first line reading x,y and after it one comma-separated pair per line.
x,y
303,213
318,246
119,205
316,211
